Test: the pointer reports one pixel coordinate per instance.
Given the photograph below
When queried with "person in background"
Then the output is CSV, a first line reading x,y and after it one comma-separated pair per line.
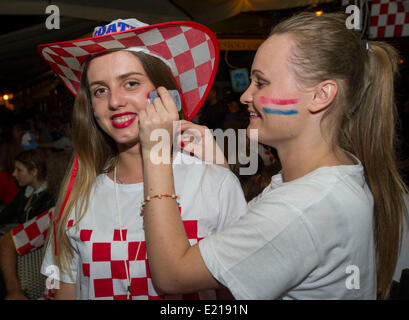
x,y
22,240
30,171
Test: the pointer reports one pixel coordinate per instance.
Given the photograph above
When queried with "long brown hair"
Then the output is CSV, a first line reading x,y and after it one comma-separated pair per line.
x,y
96,153
362,117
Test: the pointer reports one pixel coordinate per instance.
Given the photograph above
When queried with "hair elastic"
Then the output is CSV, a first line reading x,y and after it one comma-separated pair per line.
x,y
365,45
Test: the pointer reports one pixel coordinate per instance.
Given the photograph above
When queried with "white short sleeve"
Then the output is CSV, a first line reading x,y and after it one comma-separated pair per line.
x,y
49,266
269,250
232,202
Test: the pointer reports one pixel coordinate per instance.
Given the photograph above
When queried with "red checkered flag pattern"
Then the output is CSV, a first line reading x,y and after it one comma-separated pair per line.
x,y
389,18
105,258
189,48
31,235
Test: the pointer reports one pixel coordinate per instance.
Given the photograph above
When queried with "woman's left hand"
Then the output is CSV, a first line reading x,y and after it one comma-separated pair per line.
x,y
157,122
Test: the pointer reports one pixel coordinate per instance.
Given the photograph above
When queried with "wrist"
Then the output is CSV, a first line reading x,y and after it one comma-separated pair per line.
x,y
157,156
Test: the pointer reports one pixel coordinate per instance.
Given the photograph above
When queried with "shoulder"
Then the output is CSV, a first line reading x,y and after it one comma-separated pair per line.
x,y
192,167
325,201
319,186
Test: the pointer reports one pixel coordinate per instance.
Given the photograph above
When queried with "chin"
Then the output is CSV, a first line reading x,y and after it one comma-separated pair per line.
x,y
127,143
126,137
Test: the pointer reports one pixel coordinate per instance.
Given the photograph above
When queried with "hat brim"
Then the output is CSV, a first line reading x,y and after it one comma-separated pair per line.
x,y
190,48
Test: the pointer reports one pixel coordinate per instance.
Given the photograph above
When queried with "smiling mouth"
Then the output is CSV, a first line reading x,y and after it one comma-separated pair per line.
x,y
123,121
123,118
254,115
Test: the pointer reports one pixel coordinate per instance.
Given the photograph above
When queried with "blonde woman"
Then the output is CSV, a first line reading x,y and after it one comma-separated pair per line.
x,y
328,226
97,248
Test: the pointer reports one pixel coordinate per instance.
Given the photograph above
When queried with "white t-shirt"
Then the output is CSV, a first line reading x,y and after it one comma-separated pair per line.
x,y
310,238
210,199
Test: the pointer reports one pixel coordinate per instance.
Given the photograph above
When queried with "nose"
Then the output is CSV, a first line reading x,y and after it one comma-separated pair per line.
x,y
14,173
246,97
116,99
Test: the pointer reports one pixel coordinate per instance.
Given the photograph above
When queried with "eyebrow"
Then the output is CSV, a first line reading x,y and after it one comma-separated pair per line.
x,y
120,77
255,71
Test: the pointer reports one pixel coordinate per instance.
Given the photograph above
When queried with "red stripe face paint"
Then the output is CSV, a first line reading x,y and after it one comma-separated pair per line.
x,y
279,102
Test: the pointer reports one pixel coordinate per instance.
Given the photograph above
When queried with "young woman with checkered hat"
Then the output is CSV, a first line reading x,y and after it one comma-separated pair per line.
x,y
97,249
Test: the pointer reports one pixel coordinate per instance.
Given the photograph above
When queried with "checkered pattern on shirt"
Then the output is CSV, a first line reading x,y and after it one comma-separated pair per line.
x,y
175,43
107,258
389,18
31,235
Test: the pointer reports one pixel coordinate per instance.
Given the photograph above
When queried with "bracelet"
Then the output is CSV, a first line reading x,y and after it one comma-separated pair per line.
x,y
157,196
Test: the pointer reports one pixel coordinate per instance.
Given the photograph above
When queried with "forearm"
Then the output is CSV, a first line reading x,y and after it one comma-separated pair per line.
x,y
176,267
8,262
166,239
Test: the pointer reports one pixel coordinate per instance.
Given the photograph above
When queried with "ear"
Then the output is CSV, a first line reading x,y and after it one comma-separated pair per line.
x,y
34,172
324,94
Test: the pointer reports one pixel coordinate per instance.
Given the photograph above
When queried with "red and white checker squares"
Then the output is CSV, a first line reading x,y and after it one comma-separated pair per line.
x,y
106,257
388,19
31,235
175,43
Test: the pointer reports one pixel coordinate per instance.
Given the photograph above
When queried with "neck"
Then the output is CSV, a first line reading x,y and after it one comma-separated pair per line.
x,y
37,184
129,168
302,158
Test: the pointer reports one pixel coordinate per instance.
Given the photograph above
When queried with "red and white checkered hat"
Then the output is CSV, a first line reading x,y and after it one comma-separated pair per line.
x,y
188,48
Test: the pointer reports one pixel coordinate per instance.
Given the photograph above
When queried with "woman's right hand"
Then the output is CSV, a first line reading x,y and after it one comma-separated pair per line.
x,y
199,141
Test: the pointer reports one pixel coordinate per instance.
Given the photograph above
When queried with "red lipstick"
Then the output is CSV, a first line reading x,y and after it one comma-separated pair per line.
x,y
123,124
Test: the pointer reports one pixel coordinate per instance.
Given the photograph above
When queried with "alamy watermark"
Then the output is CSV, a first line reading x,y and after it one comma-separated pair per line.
x,y
53,20
209,146
52,281
353,281
353,21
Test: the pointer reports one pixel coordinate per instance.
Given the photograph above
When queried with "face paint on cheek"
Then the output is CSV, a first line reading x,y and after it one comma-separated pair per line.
x,y
280,112
95,115
279,102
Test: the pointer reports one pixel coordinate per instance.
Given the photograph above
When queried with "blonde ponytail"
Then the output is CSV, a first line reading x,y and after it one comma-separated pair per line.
x,y
370,135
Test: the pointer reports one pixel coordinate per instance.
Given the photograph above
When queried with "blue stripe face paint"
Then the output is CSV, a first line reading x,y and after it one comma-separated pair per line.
x,y
280,112
95,115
